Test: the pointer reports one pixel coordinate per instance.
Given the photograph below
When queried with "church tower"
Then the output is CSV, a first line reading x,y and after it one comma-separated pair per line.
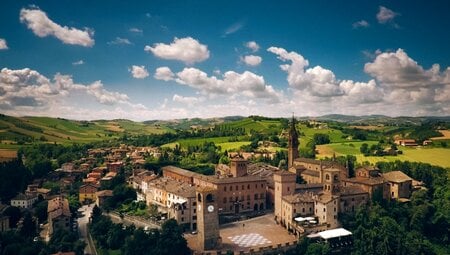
x,y
331,181
293,144
207,219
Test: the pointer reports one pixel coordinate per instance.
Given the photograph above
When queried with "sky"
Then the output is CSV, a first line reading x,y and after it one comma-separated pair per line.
x,y
146,60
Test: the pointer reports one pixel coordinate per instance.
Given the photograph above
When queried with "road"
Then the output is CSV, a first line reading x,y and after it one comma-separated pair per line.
x,y
86,210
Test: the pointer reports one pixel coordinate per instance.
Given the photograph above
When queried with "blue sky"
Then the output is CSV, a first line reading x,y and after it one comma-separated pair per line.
x,y
145,60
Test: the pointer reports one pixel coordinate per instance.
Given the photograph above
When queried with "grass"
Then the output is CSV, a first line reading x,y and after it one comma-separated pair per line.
x,y
433,156
224,142
308,134
249,124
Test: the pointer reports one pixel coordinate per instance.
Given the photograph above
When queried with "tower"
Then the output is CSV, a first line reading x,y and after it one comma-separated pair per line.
x,y
284,185
331,180
293,144
238,166
208,236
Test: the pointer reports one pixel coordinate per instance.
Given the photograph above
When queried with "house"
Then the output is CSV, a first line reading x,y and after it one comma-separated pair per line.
x,y
87,193
23,201
102,196
400,184
406,142
59,216
427,142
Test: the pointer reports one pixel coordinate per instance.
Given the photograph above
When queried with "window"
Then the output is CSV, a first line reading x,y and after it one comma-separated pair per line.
x,y
295,211
248,197
288,188
256,196
248,186
335,209
194,204
182,219
194,217
231,188
182,212
262,185
327,177
195,210
224,200
242,188
237,187
225,188
303,210
324,209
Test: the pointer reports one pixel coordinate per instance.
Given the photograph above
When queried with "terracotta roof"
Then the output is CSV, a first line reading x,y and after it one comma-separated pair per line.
x,y
175,187
58,206
396,176
22,196
283,172
351,190
104,193
179,171
367,181
299,198
215,180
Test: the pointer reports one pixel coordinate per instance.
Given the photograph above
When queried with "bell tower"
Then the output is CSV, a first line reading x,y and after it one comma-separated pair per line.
x,y
331,180
207,218
293,144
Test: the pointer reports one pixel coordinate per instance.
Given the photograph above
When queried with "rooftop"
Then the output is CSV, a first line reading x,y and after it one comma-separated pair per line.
x,y
299,198
332,233
58,206
175,187
396,176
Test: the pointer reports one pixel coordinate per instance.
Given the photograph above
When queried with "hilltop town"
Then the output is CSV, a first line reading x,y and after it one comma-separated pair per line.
x,y
249,203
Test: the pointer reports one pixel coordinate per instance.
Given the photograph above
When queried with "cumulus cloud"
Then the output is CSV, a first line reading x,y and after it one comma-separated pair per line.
x,y
3,45
119,40
399,70
26,87
317,81
386,15
251,60
77,63
252,45
42,26
187,50
190,101
139,72
360,24
231,84
164,73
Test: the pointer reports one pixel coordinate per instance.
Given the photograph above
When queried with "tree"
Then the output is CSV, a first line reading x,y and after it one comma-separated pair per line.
x,y
319,139
171,240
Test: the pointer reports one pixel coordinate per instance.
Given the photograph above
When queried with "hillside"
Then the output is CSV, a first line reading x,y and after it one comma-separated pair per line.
x,y
15,131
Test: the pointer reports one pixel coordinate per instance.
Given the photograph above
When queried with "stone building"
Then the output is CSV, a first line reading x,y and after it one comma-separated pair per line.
x,y
59,216
370,180
400,184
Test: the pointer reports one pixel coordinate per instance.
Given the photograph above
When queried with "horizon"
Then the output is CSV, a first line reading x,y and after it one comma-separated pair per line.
x,y
169,60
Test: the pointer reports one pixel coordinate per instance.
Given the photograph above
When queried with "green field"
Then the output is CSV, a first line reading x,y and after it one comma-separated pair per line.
x,y
249,124
434,156
62,131
223,142
336,136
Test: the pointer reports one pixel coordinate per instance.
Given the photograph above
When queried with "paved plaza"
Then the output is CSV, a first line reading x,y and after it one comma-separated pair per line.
x,y
249,234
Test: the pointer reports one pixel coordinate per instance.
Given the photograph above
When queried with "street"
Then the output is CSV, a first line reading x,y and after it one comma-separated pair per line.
x,y
86,210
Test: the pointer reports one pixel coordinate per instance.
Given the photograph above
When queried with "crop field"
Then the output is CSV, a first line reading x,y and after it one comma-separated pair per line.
x,y
260,125
434,156
336,136
224,142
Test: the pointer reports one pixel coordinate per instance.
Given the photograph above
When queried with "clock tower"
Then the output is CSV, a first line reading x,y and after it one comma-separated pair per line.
x,y
207,218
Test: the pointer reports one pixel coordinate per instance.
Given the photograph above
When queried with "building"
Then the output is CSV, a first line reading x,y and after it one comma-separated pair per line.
x,y
4,219
400,184
370,180
208,236
24,201
406,142
175,200
235,194
101,196
87,193
59,216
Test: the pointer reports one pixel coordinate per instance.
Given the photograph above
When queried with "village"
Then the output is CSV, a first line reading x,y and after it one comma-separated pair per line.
x,y
307,199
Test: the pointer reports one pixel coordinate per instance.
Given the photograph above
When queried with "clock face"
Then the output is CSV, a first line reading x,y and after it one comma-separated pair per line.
x,y
211,208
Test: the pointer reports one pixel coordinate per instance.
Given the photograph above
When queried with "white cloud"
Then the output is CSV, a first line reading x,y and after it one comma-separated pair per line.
x,y
119,40
3,45
233,29
187,50
397,69
361,23
164,73
252,45
385,15
77,63
25,88
139,72
190,101
42,26
251,60
135,30
317,81
232,84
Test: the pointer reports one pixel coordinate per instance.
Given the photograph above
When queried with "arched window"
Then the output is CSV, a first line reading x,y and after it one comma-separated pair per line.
x,y
327,177
336,177
199,198
209,198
